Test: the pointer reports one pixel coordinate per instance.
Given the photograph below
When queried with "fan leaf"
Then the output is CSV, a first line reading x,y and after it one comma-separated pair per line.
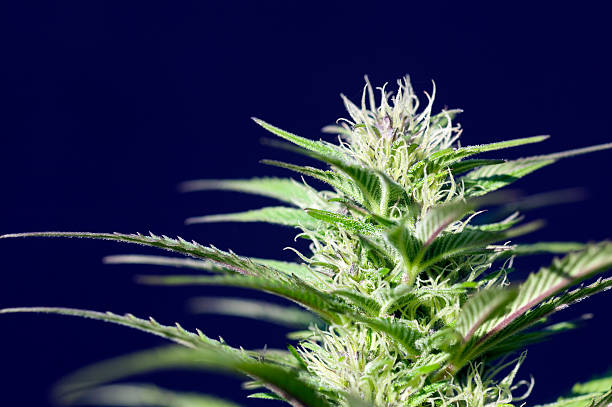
x,y
173,333
453,244
279,215
317,301
546,283
137,395
342,184
347,222
404,334
320,147
283,382
483,306
282,189
367,304
241,265
492,177
265,311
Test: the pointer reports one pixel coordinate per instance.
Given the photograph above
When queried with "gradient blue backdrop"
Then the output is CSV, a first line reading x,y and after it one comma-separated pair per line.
x,y
109,105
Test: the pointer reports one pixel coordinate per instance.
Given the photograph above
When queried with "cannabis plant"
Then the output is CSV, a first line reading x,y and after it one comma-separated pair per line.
x,y
404,289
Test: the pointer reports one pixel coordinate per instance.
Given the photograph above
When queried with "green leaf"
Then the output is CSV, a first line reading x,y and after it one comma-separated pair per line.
x,y
138,395
297,357
468,240
340,183
466,165
598,384
547,282
435,165
241,265
283,382
571,153
320,147
202,265
464,152
400,297
438,218
289,269
417,399
492,177
173,333
584,400
317,301
350,223
521,340
265,396
402,239
367,304
379,191
210,354
603,401
596,392
377,251
284,267
283,189
502,225
547,247
274,214
376,187
265,311
480,308
514,339
397,329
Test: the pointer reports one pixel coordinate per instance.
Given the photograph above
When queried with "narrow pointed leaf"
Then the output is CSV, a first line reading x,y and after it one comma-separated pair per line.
x,y
317,301
598,384
319,147
467,151
572,153
339,182
483,306
265,311
417,399
401,332
559,303
438,218
492,177
138,395
289,269
377,188
561,275
436,164
283,189
229,261
279,215
547,247
202,265
519,341
453,244
466,165
282,381
367,304
402,239
265,396
399,298
351,224
173,333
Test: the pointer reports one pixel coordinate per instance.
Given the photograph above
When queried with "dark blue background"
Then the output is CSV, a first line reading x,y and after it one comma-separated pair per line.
x,y
107,106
